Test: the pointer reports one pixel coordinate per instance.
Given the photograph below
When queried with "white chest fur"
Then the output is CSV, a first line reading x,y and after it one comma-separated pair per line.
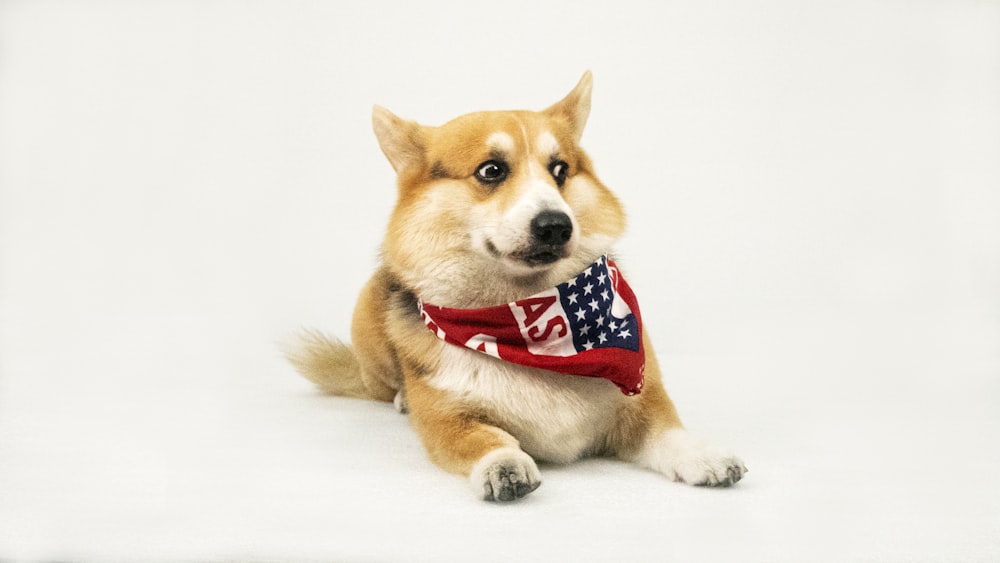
x,y
554,417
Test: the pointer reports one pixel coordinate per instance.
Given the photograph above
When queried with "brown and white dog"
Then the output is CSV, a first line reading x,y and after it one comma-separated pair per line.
x,y
494,207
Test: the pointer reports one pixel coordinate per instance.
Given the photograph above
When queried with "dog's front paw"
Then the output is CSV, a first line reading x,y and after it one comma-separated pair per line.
x,y
721,470
505,474
687,459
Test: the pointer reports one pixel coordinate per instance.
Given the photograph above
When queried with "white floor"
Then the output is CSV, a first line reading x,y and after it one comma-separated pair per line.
x,y
814,194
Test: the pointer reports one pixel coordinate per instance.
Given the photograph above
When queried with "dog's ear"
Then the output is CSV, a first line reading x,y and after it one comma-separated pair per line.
x,y
575,107
401,140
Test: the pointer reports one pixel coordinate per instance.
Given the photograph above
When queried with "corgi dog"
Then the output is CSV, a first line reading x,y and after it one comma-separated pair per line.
x,y
497,320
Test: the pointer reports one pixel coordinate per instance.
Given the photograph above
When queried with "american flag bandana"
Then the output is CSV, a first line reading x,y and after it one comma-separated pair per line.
x,y
588,326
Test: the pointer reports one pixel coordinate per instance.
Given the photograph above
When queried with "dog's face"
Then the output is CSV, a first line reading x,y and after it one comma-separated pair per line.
x,y
493,204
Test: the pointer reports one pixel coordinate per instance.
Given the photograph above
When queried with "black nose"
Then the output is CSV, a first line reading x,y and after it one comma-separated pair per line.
x,y
552,227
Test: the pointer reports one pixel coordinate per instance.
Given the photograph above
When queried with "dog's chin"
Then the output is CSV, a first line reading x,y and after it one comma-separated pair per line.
x,y
530,264
542,259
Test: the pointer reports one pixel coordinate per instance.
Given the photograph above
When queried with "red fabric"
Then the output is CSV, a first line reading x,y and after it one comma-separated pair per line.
x,y
588,326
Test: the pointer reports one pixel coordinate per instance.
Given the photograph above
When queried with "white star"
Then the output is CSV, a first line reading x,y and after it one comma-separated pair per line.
x,y
624,334
602,337
587,271
580,314
600,320
588,288
571,283
624,322
572,297
588,345
594,305
584,329
601,278
604,295
613,325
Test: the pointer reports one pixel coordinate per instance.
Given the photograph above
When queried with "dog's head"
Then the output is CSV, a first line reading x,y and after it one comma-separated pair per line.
x,y
493,204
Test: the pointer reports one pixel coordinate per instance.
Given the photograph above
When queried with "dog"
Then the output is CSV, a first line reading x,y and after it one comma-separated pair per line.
x,y
497,318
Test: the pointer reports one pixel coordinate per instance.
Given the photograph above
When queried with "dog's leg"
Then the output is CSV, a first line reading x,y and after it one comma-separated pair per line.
x,y
686,458
650,434
458,440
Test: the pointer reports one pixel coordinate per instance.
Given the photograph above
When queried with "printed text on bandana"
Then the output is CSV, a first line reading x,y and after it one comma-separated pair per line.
x,y
544,324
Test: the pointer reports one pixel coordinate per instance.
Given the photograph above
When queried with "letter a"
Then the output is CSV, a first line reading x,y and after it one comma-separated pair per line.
x,y
535,307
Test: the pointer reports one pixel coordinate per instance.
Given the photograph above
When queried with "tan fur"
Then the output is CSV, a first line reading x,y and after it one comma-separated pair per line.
x,y
330,364
455,241
455,437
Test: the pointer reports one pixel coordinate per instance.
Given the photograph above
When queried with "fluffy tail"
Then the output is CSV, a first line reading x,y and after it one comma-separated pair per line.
x,y
329,363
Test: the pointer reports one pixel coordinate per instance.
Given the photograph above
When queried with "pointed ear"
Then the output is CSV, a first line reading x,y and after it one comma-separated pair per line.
x,y
401,140
575,107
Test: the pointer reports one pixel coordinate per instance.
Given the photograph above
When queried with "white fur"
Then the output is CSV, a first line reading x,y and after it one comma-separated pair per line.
x,y
683,457
555,417
546,144
399,401
501,141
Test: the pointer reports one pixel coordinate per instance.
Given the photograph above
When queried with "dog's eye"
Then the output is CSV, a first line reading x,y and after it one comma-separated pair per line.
x,y
559,170
491,172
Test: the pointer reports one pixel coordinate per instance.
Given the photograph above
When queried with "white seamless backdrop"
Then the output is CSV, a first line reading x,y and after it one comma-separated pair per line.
x,y
814,200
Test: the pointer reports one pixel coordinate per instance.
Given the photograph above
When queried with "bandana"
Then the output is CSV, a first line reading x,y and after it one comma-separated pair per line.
x,y
588,326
